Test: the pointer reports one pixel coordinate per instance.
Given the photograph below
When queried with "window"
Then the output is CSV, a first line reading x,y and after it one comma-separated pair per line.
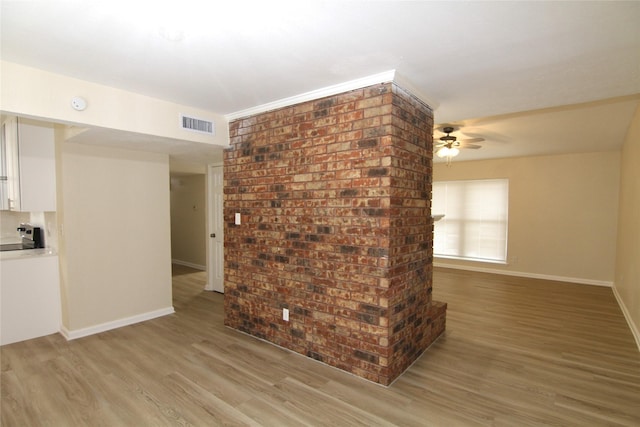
x,y
475,220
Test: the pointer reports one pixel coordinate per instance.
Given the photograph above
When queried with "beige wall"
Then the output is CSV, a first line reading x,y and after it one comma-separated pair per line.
x,y
40,94
627,279
115,235
188,220
563,214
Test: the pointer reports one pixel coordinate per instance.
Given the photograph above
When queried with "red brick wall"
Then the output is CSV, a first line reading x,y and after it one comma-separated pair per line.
x,y
335,203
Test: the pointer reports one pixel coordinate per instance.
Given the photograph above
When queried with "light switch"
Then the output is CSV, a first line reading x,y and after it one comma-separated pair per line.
x,y
238,218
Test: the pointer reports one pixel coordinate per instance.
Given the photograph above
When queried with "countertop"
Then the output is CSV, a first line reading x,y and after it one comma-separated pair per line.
x,y
27,253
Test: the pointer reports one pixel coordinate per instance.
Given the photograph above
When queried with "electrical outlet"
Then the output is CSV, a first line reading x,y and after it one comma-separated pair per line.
x,y
285,314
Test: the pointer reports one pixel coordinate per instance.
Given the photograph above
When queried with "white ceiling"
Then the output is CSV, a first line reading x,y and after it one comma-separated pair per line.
x,y
523,75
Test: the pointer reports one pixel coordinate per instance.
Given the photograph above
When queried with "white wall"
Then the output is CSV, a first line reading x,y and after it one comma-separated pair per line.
x,y
9,222
188,220
627,281
563,214
115,237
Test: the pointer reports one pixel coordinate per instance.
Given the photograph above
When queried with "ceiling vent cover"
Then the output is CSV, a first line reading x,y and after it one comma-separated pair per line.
x,y
196,125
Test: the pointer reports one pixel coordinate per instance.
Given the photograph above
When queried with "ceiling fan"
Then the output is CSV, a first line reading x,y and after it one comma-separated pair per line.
x,y
449,146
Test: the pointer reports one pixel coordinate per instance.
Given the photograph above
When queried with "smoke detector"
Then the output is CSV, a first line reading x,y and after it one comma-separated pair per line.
x,y
78,103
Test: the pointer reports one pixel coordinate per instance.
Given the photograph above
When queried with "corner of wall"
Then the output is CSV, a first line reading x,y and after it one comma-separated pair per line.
x,y
634,330
627,274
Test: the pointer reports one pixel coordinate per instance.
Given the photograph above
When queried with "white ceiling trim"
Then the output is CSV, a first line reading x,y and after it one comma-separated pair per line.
x,y
406,84
384,77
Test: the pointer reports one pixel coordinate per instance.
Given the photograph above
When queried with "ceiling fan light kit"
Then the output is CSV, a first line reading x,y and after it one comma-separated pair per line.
x,y
448,152
449,146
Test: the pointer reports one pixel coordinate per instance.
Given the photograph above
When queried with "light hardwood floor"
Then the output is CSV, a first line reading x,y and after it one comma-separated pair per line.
x,y
516,352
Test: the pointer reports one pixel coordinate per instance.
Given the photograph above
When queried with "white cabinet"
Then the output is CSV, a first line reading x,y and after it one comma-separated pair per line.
x,y
29,298
29,167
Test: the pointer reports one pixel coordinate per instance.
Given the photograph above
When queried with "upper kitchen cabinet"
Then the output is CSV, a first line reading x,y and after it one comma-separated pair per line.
x,y
28,166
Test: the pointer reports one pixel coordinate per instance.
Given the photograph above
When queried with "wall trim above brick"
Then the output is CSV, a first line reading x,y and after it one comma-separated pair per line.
x,y
384,77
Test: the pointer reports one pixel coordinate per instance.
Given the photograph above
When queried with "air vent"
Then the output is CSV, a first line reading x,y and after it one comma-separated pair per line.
x,y
196,125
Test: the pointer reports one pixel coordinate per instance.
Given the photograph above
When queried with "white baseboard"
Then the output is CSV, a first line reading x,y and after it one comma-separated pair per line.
x,y
627,316
625,312
578,280
189,264
103,327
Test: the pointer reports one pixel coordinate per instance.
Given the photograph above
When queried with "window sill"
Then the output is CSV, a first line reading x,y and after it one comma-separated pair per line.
x,y
482,260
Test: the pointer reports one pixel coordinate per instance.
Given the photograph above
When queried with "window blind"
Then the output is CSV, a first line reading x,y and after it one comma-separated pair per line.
x,y
475,219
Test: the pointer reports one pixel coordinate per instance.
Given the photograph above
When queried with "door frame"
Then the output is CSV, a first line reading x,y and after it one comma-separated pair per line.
x,y
211,228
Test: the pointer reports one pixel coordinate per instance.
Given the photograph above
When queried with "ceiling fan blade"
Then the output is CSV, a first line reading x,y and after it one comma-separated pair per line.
x,y
471,140
471,146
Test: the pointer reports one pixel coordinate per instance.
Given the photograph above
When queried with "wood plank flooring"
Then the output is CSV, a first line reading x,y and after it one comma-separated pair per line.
x,y
516,352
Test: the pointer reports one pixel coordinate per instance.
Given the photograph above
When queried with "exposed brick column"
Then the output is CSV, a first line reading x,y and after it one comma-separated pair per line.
x,y
335,202
415,321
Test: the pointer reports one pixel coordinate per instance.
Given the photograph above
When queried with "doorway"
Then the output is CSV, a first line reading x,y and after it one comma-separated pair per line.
x,y
188,220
